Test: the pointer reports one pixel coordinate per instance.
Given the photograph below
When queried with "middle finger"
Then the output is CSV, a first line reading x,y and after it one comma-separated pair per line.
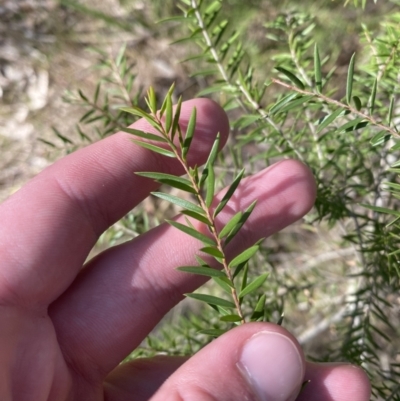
x,y
124,292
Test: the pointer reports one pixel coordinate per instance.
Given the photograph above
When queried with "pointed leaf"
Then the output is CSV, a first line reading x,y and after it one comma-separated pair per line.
x,y
259,309
254,285
179,202
224,283
212,332
380,138
202,271
210,186
298,102
164,104
357,102
172,180
152,100
190,231
210,299
317,69
373,96
281,103
230,225
153,148
292,77
229,193
329,119
350,125
211,159
391,109
213,251
230,318
382,210
189,133
145,135
168,114
238,226
196,216
350,76
175,123
136,111
244,256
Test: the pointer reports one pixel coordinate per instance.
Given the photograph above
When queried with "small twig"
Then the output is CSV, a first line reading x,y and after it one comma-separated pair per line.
x,y
327,99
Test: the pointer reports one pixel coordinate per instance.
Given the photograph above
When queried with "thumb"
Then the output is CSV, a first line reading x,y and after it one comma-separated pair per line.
x,y
257,361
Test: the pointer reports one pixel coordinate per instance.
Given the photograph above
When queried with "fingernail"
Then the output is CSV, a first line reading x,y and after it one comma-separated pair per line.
x,y
272,366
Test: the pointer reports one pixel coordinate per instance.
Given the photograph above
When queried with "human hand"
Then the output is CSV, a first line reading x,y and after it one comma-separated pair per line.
x,y
64,329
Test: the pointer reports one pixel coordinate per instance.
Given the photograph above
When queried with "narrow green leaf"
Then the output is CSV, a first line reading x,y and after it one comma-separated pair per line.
x,y
292,77
172,180
329,119
238,269
380,138
96,93
211,159
145,135
82,96
210,185
254,285
153,148
238,226
244,256
391,108
167,96
297,102
175,123
317,69
357,102
212,332
224,283
183,203
87,115
243,284
152,100
197,216
213,251
189,133
136,111
120,55
168,114
190,231
373,97
230,318
62,137
230,225
350,76
382,210
350,124
202,271
278,105
259,309
210,299
229,193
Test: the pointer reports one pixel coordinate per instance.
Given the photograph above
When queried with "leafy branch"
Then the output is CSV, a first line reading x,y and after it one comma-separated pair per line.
x,y
341,105
172,142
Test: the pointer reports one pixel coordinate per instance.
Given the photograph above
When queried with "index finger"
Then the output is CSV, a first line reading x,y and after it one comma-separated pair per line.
x,y
50,225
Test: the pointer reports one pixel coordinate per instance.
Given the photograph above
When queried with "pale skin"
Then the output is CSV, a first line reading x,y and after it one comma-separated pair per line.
x,y
66,326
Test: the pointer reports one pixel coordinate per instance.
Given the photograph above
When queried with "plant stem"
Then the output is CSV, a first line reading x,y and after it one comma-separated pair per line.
x,y
209,216
353,110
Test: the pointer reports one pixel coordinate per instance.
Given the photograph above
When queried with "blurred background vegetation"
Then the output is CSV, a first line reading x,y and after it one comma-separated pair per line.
x,y
50,49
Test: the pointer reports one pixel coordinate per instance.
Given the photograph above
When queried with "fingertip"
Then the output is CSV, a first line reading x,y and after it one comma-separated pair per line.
x,y
335,382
